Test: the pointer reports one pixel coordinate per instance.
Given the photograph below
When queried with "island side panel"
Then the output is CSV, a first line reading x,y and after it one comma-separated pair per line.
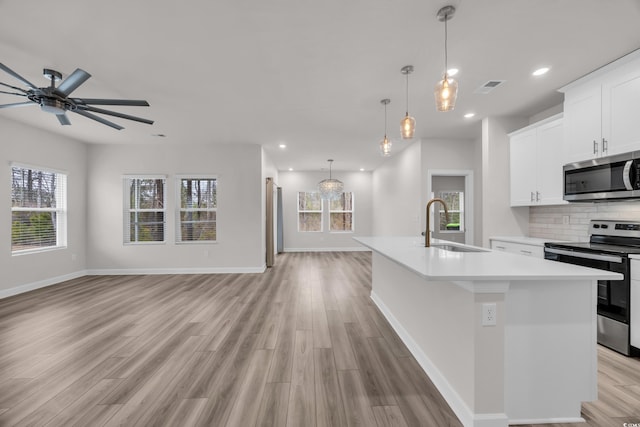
x,y
551,353
436,319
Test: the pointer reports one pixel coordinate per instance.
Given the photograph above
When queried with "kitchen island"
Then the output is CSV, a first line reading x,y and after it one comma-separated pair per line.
x,y
506,339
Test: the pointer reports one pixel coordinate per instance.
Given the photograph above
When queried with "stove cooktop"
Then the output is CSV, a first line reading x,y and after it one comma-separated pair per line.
x,y
595,247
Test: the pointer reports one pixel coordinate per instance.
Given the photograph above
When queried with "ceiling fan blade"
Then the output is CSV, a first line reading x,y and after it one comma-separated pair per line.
x,y
18,104
13,87
72,82
17,76
13,93
63,119
116,114
98,119
127,102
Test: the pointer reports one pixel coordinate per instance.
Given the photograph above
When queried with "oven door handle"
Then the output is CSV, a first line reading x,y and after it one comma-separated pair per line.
x,y
599,257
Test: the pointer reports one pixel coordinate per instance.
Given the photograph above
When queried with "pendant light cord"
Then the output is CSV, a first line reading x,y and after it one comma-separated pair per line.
x,y
385,121
446,71
407,94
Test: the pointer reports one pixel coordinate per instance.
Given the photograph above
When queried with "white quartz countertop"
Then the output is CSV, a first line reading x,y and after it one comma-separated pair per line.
x,y
534,241
439,264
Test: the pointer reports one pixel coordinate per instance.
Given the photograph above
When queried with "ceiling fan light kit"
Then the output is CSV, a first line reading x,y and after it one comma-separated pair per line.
x,y
446,90
56,100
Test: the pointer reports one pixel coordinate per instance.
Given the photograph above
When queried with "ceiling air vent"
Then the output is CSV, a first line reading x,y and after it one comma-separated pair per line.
x,y
489,86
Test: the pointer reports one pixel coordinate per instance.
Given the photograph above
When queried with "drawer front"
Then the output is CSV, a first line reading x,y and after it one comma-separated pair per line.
x,y
518,248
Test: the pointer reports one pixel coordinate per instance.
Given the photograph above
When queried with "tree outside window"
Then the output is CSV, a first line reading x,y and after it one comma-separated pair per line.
x,y
38,209
341,213
309,212
144,216
198,209
455,204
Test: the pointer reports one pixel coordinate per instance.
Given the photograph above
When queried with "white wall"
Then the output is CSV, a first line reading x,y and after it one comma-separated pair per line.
x,y
397,194
357,182
448,154
498,218
27,145
400,187
240,217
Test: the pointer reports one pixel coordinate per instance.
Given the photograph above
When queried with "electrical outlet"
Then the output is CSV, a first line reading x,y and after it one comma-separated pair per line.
x,y
489,314
565,219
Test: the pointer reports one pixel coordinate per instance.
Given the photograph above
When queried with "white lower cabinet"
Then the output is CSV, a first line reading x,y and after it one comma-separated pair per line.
x,y
634,304
517,248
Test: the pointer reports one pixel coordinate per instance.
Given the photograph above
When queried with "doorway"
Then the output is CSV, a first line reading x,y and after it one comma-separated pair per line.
x,y
455,187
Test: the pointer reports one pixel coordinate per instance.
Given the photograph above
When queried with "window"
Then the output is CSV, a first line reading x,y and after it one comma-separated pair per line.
x,y
38,209
309,212
198,209
341,213
144,211
455,203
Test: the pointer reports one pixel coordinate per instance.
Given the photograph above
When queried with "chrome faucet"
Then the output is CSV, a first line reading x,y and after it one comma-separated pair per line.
x,y
427,233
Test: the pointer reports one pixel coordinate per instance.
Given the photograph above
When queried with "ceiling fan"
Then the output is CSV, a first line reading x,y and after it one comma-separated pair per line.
x,y
55,100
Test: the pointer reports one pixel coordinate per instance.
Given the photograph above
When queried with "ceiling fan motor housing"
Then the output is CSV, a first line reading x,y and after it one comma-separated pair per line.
x,y
52,105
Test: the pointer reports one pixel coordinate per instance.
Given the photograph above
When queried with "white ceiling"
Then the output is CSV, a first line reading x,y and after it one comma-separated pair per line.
x,y
308,73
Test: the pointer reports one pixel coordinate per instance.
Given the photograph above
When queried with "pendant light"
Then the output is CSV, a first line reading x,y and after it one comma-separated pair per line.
x,y
385,144
446,90
408,124
330,189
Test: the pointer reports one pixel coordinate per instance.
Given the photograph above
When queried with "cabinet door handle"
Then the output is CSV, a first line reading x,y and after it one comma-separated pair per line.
x,y
500,247
525,252
605,145
532,196
595,147
537,196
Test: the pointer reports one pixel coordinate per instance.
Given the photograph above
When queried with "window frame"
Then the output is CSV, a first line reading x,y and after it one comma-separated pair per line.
x,y
126,237
61,209
343,211
299,211
180,209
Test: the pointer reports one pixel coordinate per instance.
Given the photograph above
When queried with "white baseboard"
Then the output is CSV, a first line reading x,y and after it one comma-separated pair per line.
x,y
550,421
349,249
196,270
5,293
459,407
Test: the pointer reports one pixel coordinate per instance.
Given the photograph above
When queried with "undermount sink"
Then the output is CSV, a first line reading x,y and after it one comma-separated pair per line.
x,y
456,248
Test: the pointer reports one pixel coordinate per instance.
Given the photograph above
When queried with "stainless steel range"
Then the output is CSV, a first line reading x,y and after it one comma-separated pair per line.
x,y
610,244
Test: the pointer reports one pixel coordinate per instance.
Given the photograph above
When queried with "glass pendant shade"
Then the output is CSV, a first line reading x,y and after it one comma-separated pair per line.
x,y
330,189
407,127
446,92
385,147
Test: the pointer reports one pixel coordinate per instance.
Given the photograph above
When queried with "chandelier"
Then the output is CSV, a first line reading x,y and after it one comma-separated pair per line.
x,y
330,189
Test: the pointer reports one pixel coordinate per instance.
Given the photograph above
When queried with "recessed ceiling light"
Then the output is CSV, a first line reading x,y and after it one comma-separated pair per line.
x,y
361,169
282,145
540,71
469,115
290,169
452,72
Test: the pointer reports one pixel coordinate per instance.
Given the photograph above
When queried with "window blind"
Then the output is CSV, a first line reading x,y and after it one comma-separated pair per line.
x,y
38,209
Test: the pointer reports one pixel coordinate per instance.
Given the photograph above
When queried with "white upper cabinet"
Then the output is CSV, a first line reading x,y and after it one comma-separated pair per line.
x,y
536,166
600,111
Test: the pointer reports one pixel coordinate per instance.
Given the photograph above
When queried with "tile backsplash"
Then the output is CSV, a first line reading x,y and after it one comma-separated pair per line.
x,y
571,221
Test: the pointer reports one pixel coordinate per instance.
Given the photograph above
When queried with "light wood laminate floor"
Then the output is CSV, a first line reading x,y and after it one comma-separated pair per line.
x,y
300,345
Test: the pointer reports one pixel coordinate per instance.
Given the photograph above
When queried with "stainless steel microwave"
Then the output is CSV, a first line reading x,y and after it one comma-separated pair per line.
x,y
605,178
